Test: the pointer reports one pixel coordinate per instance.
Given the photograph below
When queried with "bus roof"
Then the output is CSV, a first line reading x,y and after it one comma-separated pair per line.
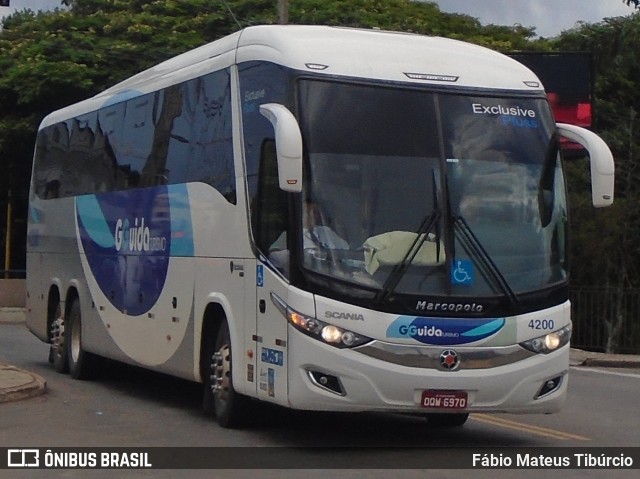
x,y
384,55
350,52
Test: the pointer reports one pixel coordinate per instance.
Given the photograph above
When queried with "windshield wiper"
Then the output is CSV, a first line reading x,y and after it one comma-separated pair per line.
x,y
474,248
422,235
400,269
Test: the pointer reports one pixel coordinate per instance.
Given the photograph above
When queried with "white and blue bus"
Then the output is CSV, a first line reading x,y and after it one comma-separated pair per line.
x,y
321,218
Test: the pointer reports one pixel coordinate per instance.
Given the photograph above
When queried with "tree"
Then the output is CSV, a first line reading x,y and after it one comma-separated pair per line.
x,y
52,59
605,245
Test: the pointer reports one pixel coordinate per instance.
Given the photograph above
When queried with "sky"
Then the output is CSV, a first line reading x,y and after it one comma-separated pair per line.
x,y
34,5
549,17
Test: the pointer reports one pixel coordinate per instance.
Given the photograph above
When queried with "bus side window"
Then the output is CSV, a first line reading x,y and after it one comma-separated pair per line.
x,y
208,104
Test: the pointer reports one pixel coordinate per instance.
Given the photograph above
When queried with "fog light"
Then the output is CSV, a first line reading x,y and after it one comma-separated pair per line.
x,y
327,382
549,386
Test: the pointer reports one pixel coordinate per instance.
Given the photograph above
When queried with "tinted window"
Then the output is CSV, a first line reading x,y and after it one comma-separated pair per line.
x,y
263,83
179,134
259,83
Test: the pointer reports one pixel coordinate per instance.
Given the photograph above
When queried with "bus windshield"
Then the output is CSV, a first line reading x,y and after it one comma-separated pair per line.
x,y
418,192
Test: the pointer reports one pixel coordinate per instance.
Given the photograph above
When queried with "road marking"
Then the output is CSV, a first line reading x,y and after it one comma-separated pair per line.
x,y
610,373
519,426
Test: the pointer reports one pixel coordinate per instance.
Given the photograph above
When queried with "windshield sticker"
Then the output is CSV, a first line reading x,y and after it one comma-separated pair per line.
x,y
251,99
444,331
273,356
462,272
271,391
510,115
260,276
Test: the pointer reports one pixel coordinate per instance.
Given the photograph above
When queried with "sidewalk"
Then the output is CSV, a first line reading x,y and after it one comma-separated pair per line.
x,y
602,360
16,384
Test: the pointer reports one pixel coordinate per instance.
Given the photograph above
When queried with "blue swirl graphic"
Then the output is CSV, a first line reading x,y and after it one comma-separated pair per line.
x,y
128,239
444,331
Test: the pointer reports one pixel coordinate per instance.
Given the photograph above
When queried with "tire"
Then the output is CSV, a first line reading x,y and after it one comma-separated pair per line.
x,y
447,420
58,349
82,364
219,396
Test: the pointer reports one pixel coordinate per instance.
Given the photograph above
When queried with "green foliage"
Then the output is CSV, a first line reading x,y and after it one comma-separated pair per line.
x,y
605,244
52,59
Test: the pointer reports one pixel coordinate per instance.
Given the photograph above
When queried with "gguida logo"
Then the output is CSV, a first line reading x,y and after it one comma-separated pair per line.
x,y
137,237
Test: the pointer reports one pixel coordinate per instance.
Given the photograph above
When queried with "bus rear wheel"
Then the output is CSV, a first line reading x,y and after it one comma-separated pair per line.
x,y
82,364
58,349
220,397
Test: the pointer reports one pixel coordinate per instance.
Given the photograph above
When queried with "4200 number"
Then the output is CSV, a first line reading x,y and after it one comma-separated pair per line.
x,y
546,324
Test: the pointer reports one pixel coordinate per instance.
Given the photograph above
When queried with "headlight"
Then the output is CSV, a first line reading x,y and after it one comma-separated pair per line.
x,y
550,342
325,332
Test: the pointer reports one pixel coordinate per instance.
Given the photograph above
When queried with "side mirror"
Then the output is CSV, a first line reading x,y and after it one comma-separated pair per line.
x,y
288,146
602,165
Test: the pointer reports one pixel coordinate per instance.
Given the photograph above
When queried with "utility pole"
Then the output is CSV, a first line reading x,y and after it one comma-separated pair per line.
x,y
283,12
7,245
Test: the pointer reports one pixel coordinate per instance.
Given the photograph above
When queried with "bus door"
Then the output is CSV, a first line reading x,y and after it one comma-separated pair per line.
x,y
271,336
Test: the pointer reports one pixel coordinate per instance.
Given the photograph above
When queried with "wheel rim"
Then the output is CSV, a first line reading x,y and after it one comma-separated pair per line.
x,y
221,373
57,335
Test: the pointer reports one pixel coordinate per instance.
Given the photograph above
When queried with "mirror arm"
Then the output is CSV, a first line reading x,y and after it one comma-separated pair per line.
x,y
602,164
288,145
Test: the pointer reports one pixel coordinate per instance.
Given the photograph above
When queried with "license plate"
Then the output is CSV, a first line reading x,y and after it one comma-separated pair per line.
x,y
444,399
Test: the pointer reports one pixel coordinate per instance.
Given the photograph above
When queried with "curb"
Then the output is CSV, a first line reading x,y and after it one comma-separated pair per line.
x,y
12,315
18,384
603,360
610,363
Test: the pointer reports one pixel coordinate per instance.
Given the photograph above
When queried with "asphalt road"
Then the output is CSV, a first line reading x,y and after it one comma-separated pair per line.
x,y
130,407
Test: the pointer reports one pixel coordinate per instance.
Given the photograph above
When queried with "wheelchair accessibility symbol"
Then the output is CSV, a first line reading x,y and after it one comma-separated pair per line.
x,y
462,272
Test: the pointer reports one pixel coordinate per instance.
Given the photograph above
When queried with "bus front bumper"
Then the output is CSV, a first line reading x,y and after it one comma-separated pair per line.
x,y
329,379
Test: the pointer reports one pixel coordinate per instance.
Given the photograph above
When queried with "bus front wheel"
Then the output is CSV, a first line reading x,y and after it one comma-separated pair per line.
x,y
220,397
